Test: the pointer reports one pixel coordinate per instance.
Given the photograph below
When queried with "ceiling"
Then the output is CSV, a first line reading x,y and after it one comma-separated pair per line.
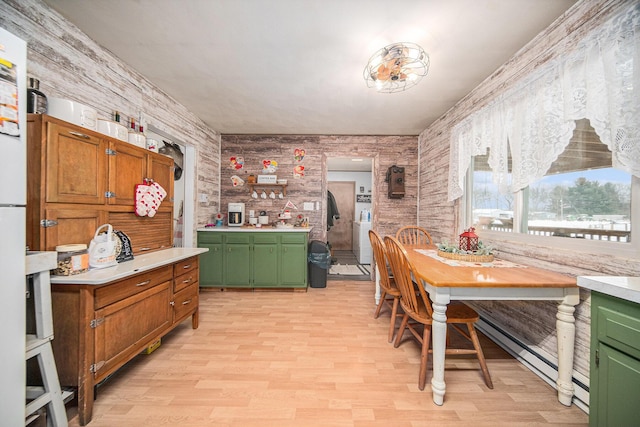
x,y
296,67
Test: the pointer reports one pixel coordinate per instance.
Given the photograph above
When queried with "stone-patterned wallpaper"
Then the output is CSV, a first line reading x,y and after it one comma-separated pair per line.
x,y
532,322
70,65
388,214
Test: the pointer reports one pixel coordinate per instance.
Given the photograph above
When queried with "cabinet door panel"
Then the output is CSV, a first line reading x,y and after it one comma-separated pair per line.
x,y
211,264
616,391
73,226
293,268
127,168
265,265
237,268
129,325
76,166
160,169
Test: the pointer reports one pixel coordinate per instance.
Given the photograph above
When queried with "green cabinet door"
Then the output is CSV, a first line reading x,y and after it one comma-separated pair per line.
x,y
211,262
265,264
237,260
266,252
617,389
615,362
293,260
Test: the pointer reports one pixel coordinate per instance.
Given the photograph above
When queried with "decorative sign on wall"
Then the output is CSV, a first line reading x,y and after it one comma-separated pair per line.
x,y
236,163
269,166
298,154
237,181
298,171
363,198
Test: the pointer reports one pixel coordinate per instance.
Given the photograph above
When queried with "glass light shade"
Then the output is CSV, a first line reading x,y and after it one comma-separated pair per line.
x,y
396,67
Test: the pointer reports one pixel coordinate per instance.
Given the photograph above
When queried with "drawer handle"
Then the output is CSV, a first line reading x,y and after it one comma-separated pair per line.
x,y
146,282
81,135
145,249
186,302
188,280
186,266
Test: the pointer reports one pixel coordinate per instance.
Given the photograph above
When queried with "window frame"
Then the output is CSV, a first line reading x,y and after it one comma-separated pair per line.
x,y
597,247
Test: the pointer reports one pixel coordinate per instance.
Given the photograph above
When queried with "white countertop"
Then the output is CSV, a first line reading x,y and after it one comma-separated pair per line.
x,y
627,288
41,261
264,228
138,264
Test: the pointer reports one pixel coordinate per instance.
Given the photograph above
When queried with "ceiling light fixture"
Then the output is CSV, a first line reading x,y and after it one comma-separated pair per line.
x,y
396,67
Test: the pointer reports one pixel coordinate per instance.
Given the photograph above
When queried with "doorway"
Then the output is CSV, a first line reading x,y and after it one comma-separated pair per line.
x,y
357,172
340,236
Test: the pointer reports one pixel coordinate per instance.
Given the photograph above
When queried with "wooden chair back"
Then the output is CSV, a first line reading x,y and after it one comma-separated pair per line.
x,y
414,235
380,258
413,296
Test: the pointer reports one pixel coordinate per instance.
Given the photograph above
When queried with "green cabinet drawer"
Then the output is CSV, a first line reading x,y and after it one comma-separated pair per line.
x,y
265,237
618,323
294,237
242,238
209,237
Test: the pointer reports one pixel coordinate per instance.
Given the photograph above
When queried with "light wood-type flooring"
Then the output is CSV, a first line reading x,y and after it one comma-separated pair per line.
x,y
315,358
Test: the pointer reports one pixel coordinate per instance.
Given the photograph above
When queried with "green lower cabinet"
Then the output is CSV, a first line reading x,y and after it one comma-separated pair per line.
x,y
265,265
614,391
254,259
211,262
293,259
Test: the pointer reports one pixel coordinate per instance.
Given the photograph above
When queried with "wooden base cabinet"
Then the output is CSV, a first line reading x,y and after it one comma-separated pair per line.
x,y
615,362
99,328
247,259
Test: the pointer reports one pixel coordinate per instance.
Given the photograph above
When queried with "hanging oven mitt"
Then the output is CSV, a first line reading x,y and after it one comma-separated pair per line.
x,y
154,196
141,207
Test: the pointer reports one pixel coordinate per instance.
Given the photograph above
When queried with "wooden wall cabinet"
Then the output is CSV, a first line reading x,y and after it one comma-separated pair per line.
x,y
79,179
99,328
248,259
615,361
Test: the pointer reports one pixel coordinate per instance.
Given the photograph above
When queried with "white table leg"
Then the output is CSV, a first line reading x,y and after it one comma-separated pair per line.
x,y
439,337
566,332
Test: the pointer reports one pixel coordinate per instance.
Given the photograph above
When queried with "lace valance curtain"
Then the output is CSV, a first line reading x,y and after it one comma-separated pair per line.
x,y
598,80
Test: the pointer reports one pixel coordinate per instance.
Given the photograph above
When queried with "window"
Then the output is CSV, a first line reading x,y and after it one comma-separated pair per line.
x,y
582,196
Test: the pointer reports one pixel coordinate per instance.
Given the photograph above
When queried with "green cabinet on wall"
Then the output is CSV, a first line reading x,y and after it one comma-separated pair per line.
x,y
615,362
254,259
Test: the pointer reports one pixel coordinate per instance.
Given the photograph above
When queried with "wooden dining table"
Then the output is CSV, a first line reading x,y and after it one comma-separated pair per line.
x,y
445,283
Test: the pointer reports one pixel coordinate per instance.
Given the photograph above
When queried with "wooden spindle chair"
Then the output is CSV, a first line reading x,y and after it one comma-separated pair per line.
x,y
417,307
414,236
389,293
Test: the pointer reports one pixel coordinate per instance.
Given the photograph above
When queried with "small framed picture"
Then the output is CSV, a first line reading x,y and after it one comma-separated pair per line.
x,y
363,198
362,189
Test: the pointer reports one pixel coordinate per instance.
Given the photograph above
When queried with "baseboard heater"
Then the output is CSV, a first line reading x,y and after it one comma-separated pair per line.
x,y
536,360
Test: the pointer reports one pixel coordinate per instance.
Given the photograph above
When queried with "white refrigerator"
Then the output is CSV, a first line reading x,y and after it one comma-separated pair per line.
x,y
13,199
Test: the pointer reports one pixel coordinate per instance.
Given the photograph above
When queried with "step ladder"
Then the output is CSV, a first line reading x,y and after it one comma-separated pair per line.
x,y
39,345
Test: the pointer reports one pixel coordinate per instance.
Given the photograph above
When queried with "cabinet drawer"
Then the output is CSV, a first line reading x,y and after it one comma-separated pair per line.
x,y
618,323
185,266
186,279
265,238
125,288
294,238
209,237
244,238
185,302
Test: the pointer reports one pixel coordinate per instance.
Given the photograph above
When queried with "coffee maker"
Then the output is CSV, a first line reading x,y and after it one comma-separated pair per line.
x,y
235,216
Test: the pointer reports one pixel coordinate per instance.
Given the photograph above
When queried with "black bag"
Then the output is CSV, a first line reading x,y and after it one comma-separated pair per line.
x,y
123,247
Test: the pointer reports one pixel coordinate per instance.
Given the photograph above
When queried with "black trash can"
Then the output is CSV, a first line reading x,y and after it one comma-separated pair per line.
x,y
319,257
